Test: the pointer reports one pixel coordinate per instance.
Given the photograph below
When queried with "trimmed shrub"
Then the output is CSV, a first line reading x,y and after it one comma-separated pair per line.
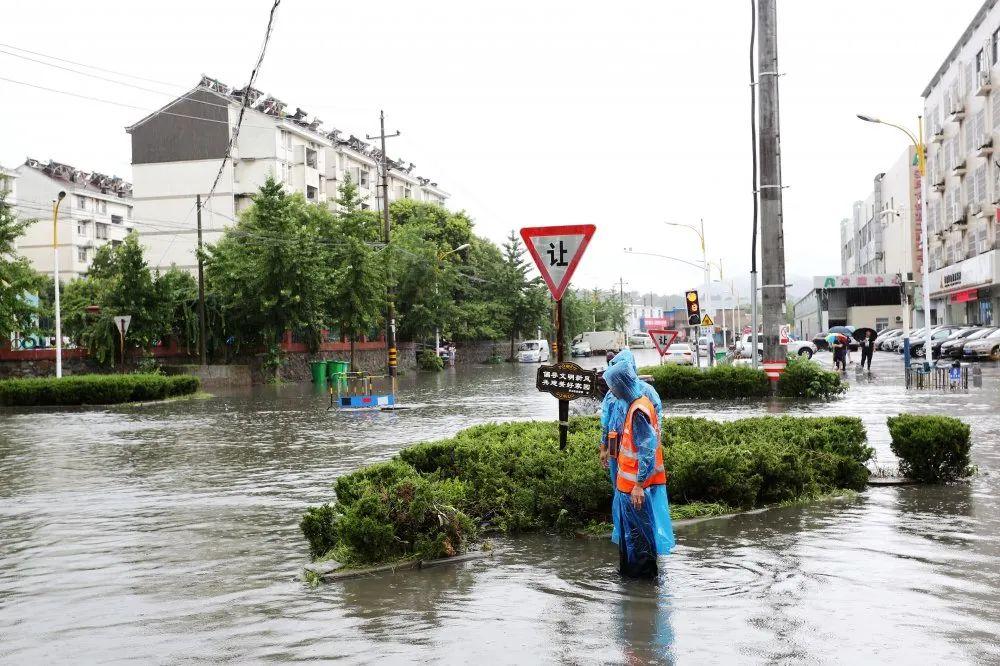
x,y
931,449
722,382
804,378
94,389
512,477
428,360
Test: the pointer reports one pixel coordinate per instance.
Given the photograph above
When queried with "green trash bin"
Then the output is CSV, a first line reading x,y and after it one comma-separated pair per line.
x,y
337,372
318,371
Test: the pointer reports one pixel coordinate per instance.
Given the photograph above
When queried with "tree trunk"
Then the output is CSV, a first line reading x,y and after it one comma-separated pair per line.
x,y
352,353
511,357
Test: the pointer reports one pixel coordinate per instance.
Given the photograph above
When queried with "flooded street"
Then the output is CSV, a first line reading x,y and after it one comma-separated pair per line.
x,y
170,532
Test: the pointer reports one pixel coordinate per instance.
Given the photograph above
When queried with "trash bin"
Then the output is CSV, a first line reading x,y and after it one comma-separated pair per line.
x,y
318,372
337,372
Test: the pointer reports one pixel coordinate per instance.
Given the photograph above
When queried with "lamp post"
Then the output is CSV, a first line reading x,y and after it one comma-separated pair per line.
x,y
918,144
440,258
55,276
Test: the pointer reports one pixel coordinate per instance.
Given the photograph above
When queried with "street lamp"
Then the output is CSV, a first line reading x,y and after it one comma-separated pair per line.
x,y
918,144
440,258
55,276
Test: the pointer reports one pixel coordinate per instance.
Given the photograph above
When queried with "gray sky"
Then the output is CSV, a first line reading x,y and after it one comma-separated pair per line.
x,y
623,115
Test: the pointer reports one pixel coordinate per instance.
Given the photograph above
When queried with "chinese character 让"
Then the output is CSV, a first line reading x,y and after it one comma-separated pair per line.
x,y
561,250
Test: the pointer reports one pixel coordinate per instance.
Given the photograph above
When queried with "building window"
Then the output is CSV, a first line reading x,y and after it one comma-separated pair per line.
x,y
881,323
310,193
81,228
102,231
116,219
363,178
981,63
286,138
994,45
81,254
102,204
81,202
310,158
128,213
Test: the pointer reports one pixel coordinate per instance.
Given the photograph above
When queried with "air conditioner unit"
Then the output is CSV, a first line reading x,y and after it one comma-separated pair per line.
x,y
983,83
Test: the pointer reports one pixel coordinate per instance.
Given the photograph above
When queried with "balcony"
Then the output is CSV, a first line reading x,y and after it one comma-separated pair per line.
x,y
986,149
983,84
957,113
959,169
937,135
982,210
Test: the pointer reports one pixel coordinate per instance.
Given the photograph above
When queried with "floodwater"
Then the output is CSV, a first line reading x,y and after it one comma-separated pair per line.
x,y
169,532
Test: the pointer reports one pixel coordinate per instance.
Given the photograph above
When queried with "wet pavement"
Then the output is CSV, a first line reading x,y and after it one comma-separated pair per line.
x,y
169,532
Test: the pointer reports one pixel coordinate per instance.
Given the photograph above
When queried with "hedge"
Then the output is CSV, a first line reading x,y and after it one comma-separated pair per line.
x,y
94,389
931,449
802,379
427,359
433,498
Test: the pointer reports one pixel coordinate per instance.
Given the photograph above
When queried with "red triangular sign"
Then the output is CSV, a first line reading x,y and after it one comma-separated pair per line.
x,y
557,251
662,338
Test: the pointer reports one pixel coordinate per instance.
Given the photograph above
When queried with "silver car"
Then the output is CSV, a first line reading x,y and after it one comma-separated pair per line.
x,y
988,347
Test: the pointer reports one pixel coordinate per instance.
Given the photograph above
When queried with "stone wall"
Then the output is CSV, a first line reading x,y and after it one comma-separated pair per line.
x,y
295,365
478,352
214,376
13,368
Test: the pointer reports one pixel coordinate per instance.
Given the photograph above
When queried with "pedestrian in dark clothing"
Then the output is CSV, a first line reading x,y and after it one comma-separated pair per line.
x,y
868,350
840,356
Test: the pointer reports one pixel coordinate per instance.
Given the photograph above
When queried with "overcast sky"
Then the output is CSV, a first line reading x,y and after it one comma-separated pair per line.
x,y
622,114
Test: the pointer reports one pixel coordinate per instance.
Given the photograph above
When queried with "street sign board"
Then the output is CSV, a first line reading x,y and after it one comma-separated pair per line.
x,y
557,251
707,320
662,338
693,308
566,381
783,335
121,323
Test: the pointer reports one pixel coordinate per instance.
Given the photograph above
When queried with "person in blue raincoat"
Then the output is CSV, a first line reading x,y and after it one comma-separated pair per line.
x,y
613,416
640,507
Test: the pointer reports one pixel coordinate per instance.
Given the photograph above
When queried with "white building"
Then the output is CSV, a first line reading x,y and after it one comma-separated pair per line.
x,y
882,236
97,210
962,112
176,153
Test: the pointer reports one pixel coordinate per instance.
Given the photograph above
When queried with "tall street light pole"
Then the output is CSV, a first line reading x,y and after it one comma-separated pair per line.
x,y
55,276
771,223
918,143
440,258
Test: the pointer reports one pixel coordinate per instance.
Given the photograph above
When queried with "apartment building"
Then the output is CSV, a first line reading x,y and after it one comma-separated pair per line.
x,y
177,150
962,125
97,210
882,236
8,182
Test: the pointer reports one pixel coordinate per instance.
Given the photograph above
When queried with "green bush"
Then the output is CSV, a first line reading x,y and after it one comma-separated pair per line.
x,y
428,360
804,378
513,477
722,382
94,389
931,449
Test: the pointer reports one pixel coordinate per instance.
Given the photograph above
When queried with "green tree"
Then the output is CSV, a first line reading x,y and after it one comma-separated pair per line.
x,y
271,271
357,294
17,279
525,298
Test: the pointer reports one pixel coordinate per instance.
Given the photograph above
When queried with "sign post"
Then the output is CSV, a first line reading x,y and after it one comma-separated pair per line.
x,y
557,251
662,339
121,323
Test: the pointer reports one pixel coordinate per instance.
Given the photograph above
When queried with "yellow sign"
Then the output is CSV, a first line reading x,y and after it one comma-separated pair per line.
x,y
707,321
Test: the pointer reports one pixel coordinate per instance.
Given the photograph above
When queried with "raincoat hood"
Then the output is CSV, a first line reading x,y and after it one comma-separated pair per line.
x,y
623,378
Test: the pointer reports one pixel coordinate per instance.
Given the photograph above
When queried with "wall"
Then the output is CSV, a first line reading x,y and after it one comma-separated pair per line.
x,y
865,315
180,134
213,376
295,364
45,366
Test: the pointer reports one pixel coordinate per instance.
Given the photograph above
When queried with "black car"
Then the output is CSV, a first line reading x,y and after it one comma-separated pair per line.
x,y
955,348
938,335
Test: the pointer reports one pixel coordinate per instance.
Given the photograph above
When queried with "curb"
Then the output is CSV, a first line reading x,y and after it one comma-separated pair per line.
x,y
411,565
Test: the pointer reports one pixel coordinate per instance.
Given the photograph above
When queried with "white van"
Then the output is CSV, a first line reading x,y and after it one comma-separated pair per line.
x,y
533,351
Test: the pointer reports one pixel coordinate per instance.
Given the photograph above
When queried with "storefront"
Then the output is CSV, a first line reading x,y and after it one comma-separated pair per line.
x,y
967,292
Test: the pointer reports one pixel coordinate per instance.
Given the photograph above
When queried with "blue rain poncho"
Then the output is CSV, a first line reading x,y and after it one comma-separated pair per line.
x,y
647,532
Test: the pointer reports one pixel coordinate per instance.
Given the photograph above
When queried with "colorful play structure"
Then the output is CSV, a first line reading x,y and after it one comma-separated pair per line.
x,y
352,390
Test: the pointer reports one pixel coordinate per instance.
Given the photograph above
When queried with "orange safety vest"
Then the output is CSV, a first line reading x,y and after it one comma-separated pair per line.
x,y
628,453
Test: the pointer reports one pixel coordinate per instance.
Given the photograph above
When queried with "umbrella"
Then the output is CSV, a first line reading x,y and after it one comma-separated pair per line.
x,y
846,330
837,338
860,334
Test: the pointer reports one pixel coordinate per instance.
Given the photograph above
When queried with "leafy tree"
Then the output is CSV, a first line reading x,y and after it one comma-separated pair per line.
x,y
271,270
16,275
357,295
525,298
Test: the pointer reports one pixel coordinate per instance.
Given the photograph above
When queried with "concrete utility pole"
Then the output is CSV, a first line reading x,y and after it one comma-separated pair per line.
x,y
390,307
772,233
202,357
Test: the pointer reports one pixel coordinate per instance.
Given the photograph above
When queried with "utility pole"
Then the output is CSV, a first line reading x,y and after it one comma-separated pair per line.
x,y
390,306
772,233
621,298
201,292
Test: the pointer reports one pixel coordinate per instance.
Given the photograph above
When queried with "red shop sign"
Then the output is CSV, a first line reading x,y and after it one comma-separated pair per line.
x,y
965,296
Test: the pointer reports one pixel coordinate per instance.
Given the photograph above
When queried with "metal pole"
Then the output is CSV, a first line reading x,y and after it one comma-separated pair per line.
x,y
560,355
121,342
772,241
755,340
923,242
390,308
201,292
55,275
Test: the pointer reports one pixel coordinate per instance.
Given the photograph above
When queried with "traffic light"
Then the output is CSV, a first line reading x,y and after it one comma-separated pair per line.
x,y
693,309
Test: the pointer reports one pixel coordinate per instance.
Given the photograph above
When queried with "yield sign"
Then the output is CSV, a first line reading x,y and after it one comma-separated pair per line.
x,y
557,251
662,338
121,323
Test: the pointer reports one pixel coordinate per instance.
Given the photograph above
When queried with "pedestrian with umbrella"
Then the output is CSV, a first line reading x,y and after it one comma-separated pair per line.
x,y
838,342
866,338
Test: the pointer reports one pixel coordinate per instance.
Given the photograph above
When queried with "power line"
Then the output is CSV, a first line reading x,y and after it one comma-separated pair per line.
x,y
100,69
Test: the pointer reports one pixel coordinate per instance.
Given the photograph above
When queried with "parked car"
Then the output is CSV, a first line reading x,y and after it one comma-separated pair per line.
x,y
533,351
640,340
896,344
886,335
679,353
703,344
985,347
794,348
956,336
938,334
580,349
956,348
